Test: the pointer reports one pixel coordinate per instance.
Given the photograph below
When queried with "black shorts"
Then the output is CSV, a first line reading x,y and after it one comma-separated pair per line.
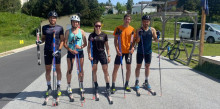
x,y
118,61
99,56
70,55
139,58
48,57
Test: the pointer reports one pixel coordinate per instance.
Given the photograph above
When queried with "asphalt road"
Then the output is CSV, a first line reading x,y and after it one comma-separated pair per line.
x,y
183,88
18,71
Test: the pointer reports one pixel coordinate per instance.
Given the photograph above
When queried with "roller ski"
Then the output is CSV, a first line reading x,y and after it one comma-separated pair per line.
x,y
82,98
47,95
96,94
137,88
108,93
148,88
58,94
70,94
38,42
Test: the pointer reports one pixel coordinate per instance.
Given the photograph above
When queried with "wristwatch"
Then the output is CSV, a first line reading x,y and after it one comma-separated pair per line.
x,y
109,55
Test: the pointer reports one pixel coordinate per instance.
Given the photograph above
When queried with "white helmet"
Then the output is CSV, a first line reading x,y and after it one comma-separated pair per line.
x,y
75,18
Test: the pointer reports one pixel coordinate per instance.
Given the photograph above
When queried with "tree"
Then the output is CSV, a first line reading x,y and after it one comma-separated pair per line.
x,y
190,5
10,5
129,6
118,7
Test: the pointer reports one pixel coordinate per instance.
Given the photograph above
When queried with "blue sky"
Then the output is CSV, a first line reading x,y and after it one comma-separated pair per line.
x,y
121,1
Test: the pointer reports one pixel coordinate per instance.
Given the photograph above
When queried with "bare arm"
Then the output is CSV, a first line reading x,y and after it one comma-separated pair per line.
x,y
84,39
154,35
66,40
116,44
107,48
137,36
43,38
89,50
61,41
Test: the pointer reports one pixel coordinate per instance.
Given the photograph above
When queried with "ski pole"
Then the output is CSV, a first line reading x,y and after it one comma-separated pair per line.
x,y
54,68
158,36
119,43
91,49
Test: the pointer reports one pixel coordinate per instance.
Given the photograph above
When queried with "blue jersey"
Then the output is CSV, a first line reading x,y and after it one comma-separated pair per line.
x,y
147,41
48,32
72,39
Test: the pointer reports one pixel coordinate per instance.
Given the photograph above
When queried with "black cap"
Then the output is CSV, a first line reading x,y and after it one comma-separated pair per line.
x,y
146,17
52,14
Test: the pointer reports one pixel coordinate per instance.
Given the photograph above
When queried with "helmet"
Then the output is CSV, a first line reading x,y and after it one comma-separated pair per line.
x,y
146,17
75,18
53,14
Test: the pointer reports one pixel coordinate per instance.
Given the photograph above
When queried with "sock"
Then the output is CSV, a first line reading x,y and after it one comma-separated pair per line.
x,y
126,83
136,82
58,82
49,86
68,85
113,85
107,86
96,85
137,78
81,85
146,79
48,83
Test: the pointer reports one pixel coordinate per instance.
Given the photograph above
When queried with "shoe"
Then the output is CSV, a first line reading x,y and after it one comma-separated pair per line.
x,y
146,85
69,90
127,88
58,91
136,87
113,90
81,90
48,92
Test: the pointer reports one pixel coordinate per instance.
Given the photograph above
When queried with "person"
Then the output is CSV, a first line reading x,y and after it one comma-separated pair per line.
x,y
74,37
126,32
144,51
99,43
47,37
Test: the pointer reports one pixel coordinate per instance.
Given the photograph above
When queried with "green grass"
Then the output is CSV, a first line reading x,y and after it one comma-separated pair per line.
x,y
110,22
209,50
16,27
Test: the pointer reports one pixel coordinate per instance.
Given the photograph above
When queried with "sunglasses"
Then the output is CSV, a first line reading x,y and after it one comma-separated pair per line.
x,y
97,26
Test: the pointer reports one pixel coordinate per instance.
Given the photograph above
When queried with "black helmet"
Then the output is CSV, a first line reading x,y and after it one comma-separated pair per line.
x,y
146,17
53,14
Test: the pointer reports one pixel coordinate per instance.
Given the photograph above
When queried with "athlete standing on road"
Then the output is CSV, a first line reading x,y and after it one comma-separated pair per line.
x,y
73,43
144,51
47,37
99,43
126,32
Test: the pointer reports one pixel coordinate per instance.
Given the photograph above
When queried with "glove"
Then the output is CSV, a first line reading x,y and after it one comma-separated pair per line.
x,y
38,42
57,53
158,34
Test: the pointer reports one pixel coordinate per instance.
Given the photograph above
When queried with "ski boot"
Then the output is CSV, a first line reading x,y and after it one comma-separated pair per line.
x,y
147,86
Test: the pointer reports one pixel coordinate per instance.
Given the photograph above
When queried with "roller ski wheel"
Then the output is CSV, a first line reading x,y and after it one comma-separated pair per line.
x,y
108,93
148,88
82,94
47,95
96,95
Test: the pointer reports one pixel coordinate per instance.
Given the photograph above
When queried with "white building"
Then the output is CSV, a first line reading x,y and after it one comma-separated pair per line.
x,y
136,9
